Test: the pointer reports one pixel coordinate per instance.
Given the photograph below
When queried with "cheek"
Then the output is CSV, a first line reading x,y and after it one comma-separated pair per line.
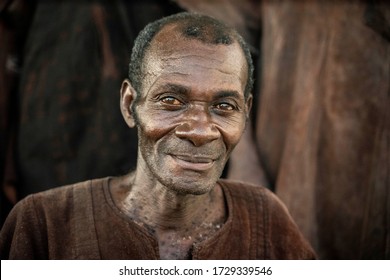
x,y
231,140
232,133
153,125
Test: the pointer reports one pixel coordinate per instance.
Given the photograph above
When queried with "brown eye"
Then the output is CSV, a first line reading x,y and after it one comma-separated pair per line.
x,y
171,101
225,107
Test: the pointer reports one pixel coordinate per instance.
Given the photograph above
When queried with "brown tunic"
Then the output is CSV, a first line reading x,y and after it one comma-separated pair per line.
x,y
81,222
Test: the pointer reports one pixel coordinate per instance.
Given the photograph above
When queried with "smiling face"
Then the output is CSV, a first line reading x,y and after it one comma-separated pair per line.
x,y
191,112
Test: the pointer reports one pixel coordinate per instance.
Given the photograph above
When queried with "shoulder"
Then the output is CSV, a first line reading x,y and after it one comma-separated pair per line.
x,y
42,219
39,224
270,218
64,193
53,204
249,192
59,198
255,197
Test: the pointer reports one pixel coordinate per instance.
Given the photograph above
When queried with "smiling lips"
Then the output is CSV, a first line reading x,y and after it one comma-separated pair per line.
x,y
194,162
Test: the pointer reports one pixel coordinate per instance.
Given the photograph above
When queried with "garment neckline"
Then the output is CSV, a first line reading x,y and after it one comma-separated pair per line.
x,y
197,248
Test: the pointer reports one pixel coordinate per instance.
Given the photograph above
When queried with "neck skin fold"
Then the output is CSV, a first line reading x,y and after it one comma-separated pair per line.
x,y
158,207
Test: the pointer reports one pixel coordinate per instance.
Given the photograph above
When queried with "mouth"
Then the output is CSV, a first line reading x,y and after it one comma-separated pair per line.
x,y
194,163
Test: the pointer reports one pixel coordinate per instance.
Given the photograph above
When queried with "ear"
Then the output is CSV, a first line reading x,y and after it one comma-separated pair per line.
x,y
128,96
248,104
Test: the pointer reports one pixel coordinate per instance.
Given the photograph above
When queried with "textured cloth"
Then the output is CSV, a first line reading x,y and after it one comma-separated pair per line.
x,y
327,144
322,126
81,221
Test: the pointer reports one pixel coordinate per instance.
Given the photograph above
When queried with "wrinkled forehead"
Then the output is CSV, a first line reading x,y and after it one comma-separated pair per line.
x,y
172,41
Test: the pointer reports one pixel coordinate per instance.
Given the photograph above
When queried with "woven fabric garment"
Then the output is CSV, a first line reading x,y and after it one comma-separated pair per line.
x,y
81,221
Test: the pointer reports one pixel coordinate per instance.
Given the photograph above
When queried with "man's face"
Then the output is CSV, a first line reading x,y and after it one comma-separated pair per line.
x,y
191,112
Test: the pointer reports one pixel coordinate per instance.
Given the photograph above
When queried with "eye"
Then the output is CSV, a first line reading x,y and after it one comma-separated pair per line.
x,y
225,106
169,100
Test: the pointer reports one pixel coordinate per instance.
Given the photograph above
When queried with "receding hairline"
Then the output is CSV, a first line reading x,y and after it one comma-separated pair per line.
x,y
174,28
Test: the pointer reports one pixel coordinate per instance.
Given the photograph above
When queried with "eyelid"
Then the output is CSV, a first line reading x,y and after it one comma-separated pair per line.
x,y
166,96
230,107
229,102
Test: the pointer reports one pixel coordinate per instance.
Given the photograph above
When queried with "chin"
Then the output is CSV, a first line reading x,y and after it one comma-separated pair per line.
x,y
188,186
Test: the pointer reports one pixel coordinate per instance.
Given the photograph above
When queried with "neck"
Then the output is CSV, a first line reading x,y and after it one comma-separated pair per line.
x,y
161,209
177,220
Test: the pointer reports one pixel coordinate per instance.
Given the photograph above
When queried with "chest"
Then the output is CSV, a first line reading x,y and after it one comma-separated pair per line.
x,y
180,246
175,248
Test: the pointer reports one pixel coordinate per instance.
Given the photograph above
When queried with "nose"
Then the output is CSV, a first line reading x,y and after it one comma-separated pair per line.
x,y
197,127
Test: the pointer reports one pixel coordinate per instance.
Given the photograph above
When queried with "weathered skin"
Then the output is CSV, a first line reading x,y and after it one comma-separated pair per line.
x,y
191,114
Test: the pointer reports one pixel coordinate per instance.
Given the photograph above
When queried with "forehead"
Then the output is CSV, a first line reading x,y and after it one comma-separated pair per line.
x,y
171,52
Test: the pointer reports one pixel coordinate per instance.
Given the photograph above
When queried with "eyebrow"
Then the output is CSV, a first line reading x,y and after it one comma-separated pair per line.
x,y
176,88
183,90
229,93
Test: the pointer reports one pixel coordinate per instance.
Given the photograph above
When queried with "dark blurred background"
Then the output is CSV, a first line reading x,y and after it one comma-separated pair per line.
x,y
319,132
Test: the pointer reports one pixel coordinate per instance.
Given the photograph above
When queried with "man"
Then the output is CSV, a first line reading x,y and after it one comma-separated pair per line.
x,y
188,95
